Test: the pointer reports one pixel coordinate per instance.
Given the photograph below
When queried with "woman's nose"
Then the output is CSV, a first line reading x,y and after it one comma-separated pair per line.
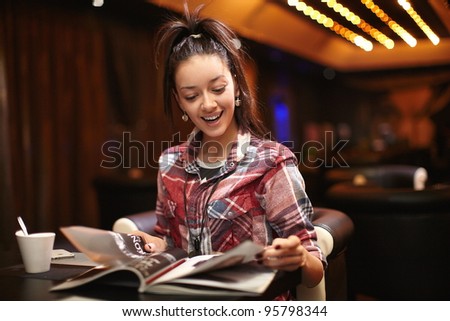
x,y
208,102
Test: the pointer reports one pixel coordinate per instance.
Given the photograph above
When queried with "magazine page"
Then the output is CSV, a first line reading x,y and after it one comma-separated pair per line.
x,y
249,279
105,247
124,252
84,278
146,267
241,254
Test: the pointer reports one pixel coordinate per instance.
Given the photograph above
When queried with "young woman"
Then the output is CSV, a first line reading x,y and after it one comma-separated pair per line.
x,y
227,183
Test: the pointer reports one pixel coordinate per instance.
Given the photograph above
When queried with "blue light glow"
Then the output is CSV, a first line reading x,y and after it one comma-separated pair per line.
x,y
281,124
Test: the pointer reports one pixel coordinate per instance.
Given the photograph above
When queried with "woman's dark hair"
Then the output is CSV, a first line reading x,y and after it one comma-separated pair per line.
x,y
180,39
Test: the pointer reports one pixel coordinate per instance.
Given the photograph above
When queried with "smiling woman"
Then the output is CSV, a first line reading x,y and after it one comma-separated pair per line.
x,y
227,183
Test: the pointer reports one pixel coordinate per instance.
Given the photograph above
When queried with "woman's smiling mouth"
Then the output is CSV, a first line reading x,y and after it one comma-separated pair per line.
x,y
212,118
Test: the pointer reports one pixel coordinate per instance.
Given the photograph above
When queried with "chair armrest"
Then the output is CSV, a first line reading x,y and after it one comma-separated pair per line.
x,y
334,230
144,221
338,226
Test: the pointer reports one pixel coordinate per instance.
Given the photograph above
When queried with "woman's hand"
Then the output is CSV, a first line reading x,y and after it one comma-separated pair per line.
x,y
288,254
152,243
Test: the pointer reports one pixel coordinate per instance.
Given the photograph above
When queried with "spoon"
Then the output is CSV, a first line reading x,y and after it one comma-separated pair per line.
x,y
22,225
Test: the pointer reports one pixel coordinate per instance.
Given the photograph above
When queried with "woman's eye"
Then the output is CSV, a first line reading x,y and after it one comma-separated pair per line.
x,y
219,90
190,98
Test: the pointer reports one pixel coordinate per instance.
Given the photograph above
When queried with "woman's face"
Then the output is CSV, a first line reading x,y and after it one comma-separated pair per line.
x,y
206,91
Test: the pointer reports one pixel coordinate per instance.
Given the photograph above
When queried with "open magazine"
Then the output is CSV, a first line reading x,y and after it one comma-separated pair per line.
x,y
122,260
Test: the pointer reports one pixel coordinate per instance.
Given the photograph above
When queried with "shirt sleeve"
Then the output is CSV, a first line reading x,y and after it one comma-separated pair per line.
x,y
162,228
288,208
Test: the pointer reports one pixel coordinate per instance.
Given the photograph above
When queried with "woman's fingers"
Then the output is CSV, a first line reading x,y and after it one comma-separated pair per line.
x,y
284,253
286,243
152,243
150,247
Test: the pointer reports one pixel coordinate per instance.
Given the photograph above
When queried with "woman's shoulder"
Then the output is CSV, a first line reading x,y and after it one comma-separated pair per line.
x,y
265,145
271,150
183,148
174,150
172,154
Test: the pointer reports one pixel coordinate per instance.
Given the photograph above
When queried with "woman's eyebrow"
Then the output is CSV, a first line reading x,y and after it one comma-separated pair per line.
x,y
211,81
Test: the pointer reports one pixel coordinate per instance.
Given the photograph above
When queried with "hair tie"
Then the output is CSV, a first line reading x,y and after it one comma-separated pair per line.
x,y
196,36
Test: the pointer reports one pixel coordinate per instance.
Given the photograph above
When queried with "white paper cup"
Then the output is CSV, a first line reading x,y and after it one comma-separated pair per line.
x,y
36,250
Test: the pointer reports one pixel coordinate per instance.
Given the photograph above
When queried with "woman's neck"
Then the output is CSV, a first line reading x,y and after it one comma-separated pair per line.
x,y
216,149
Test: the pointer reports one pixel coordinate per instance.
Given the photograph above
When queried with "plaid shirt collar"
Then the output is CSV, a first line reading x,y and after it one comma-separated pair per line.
x,y
192,147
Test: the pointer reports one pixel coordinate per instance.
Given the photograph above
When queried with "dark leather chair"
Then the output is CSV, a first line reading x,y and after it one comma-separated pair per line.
x,y
334,230
400,248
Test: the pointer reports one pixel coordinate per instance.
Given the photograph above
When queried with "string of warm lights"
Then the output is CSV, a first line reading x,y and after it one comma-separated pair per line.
x,y
329,23
419,21
399,30
360,23
353,18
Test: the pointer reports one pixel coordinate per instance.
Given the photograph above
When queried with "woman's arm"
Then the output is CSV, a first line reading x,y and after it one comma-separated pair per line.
x,y
289,213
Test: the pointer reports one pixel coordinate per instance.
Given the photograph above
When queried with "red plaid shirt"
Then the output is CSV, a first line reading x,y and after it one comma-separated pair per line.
x,y
258,194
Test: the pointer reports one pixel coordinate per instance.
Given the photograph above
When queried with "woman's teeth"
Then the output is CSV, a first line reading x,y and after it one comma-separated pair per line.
x,y
212,118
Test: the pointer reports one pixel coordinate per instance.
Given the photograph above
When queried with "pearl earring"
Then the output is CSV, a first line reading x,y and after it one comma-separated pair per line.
x,y
185,117
237,102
